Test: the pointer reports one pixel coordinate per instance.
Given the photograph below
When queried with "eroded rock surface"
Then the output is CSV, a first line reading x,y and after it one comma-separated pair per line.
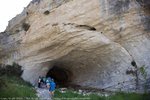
x,y
94,40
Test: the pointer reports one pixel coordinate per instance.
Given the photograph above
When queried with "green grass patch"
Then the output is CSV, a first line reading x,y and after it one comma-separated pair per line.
x,y
77,96
71,95
129,96
13,86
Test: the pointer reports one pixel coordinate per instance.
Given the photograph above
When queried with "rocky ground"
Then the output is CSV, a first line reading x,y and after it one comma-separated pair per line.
x,y
43,93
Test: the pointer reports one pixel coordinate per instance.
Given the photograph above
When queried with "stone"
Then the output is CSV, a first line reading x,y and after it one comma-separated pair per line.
x,y
90,43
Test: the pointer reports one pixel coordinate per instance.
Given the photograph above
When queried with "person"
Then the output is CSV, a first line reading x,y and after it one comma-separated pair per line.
x,y
48,79
44,80
39,82
51,86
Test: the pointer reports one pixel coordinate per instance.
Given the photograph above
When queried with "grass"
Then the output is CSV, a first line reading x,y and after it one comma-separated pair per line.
x,y
14,86
129,96
70,95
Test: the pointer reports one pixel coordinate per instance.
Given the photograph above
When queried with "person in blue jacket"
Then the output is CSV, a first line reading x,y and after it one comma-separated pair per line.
x,y
51,85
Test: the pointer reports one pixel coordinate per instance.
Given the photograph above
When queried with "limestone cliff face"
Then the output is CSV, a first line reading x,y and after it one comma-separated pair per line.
x,y
101,43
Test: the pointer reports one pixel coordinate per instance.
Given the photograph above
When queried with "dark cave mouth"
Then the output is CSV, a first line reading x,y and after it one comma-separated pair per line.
x,y
61,76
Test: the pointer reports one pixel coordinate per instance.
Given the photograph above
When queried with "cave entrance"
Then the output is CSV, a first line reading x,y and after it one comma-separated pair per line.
x,y
61,76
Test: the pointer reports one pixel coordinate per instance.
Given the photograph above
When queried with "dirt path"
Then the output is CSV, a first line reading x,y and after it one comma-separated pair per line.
x,y
43,94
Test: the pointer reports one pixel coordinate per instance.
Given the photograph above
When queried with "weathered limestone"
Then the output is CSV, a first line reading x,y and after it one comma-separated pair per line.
x,y
96,41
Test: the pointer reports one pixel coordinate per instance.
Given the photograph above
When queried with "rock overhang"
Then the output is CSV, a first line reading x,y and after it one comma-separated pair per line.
x,y
89,38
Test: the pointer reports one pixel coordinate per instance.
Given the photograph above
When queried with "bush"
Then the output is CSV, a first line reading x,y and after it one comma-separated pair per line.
x,y
14,69
2,83
2,71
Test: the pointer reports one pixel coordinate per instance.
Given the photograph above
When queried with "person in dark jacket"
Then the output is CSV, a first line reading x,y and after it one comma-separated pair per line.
x,y
39,82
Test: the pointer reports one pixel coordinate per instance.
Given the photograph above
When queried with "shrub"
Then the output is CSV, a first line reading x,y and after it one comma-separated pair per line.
x,y
2,71
2,83
14,69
